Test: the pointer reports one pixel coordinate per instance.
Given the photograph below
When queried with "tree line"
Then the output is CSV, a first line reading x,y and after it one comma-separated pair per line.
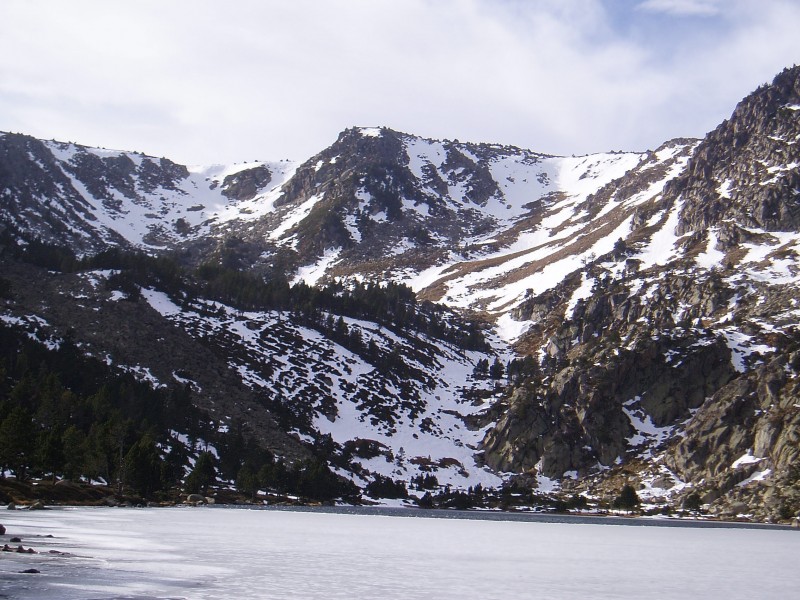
x,y
390,304
64,415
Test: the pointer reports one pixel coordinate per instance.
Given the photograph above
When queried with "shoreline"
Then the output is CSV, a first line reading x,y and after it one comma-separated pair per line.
x,y
67,494
412,511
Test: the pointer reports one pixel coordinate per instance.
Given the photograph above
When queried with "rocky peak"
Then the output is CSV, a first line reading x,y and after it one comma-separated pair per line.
x,y
40,199
745,170
355,150
377,193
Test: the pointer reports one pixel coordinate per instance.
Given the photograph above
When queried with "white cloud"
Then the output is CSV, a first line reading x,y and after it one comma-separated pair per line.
x,y
683,7
201,80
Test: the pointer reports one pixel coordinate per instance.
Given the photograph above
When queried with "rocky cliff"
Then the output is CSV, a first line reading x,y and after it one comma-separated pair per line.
x,y
676,352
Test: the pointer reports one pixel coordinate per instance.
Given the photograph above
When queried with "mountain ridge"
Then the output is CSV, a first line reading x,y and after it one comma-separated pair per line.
x,y
649,295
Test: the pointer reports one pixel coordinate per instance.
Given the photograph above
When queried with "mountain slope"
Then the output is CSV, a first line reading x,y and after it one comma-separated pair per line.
x,y
91,199
649,300
677,351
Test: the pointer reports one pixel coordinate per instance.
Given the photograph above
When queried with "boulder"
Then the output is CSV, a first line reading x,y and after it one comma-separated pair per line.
x,y
663,482
195,499
739,508
2,530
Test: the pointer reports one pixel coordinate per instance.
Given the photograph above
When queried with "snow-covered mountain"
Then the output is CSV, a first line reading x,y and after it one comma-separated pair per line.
x,y
649,299
91,199
450,219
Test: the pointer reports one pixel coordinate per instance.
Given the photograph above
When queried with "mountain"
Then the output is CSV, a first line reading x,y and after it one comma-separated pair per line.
x,y
675,354
638,309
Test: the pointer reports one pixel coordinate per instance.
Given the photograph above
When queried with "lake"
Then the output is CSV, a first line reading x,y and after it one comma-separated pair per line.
x,y
218,552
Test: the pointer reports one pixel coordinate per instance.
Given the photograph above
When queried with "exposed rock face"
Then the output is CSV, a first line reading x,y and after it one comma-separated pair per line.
x,y
690,357
748,431
581,414
245,185
743,171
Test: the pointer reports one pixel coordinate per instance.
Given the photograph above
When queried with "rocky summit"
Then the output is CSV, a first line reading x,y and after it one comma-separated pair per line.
x,y
425,315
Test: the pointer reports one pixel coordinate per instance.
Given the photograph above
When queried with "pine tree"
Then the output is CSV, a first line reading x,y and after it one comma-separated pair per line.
x,y
17,437
142,467
74,444
202,476
50,451
481,368
247,481
497,370
628,499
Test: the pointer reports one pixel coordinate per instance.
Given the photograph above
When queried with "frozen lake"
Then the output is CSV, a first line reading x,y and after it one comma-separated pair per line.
x,y
201,553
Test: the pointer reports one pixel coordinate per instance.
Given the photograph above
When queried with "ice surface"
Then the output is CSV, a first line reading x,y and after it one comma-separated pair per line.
x,y
205,553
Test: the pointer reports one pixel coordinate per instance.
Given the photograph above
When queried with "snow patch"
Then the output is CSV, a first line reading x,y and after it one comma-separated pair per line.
x,y
661,248
745,459
645,431
724,189
370,132
294,216
583,292
757,476
711,257
311,274
509,329
741,347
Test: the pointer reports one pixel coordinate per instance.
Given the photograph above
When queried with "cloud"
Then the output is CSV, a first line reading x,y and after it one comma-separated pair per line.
x,y
683,7
202,81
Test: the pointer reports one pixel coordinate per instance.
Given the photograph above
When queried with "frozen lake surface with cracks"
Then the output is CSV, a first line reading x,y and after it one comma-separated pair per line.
x,y
216,552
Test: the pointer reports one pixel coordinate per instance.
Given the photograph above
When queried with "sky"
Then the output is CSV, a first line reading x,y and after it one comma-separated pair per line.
x,y
202,81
